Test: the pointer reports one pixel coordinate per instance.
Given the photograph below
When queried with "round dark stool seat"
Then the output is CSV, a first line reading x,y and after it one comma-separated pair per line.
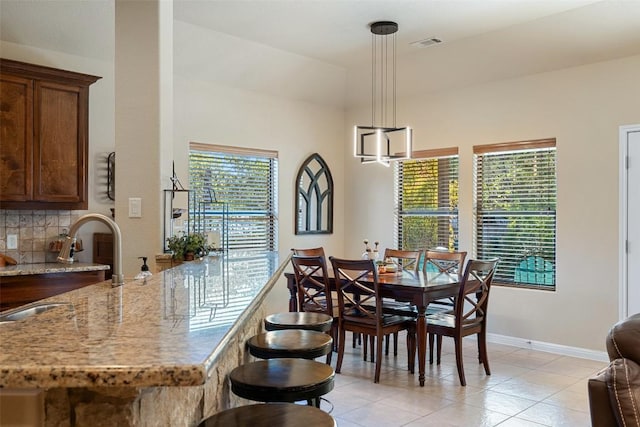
x,y
308,320
282,380
290,343
270,415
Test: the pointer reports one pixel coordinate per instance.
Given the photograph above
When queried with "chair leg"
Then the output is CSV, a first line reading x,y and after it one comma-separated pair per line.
x,y
411,350
482,344
357,339
459,360
386,344
365,347
341,343
333,333
376,378
395,344
430,349
372,341
439,349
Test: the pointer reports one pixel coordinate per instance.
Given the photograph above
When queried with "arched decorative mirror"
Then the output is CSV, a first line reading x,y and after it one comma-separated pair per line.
x,y
314,200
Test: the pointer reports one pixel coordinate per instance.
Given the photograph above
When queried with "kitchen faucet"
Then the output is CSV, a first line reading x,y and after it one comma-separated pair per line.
x,y
66,253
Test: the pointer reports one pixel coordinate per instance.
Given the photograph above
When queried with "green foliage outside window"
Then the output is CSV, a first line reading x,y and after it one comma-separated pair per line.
x,y
428,203
516,214
247,183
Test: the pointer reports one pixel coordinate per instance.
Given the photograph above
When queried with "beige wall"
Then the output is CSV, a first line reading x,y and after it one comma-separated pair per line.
x,y
213,114
255,96
582,108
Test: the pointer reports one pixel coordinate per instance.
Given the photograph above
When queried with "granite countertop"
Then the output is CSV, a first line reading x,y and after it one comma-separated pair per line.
x,y
49,267
166,330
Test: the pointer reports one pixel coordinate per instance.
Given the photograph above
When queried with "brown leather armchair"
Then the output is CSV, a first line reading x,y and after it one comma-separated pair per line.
x,y
614,393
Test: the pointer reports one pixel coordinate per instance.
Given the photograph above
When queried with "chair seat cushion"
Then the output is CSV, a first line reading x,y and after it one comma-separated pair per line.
x,y
290,343
623,381
319,305
269,415
401,308
410,310
448,319
282,380
387,319
298,320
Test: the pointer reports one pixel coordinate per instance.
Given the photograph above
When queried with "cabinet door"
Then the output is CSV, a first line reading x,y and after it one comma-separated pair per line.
x,y
60,143
16,136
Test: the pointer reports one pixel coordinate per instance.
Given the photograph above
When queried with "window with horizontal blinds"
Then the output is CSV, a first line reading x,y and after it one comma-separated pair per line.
x,y
246,181
427,200
515,211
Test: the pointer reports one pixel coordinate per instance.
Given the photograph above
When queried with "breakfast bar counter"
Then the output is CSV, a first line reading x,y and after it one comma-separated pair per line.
x,y
149,346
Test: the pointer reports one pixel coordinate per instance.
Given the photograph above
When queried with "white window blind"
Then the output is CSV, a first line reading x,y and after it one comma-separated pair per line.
x,y
246,180
515,211
427,200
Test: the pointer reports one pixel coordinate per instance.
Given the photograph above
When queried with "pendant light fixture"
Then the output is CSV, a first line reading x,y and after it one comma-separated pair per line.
x,y
383,142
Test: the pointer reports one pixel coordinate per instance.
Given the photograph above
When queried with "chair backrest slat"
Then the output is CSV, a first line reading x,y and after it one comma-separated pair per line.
x,y
312,281
309,251
406,260
357,300
473,297
443,262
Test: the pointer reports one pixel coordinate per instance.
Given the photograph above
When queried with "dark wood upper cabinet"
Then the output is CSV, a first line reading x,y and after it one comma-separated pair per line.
x,y
44,136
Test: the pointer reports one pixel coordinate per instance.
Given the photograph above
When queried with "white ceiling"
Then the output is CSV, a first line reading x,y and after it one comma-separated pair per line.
x,y
337,31
483,40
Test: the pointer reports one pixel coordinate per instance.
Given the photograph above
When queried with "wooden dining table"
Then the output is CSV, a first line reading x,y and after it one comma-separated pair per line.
x,y
419,289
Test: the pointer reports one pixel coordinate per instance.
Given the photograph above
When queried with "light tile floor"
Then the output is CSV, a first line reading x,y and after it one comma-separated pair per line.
x,y
526,388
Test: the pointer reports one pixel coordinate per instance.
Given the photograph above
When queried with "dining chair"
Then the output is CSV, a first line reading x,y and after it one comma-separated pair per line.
x,y
360,310
442,262
319,251
406,260
314,289
469,316
309,251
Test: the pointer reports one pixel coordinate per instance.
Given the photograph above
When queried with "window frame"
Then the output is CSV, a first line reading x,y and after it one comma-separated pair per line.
x,y
271,204
532,220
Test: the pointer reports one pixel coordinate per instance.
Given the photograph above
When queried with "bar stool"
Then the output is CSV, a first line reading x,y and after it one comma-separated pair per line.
x,y
307,320
290,343
283,380
269,415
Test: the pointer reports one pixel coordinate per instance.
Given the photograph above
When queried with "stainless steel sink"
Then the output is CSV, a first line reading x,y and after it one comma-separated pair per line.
x,y
30,310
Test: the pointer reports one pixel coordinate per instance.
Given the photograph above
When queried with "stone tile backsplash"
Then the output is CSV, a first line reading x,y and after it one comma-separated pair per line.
x,y
35,230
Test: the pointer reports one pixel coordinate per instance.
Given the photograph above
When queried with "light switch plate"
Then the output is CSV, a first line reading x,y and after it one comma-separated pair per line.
x,y
135,207
12,241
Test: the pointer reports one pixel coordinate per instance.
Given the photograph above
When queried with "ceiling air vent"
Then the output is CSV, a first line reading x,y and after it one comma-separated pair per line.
x,y
426,42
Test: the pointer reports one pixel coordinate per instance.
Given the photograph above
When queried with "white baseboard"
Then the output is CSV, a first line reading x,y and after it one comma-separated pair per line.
x,y
563,350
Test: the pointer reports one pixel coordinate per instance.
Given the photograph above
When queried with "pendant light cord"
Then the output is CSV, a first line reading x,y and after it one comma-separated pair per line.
x,y
380,69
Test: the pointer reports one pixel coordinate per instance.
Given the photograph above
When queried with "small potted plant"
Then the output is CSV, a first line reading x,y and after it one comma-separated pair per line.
x,y
176,245
195,246
187,246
